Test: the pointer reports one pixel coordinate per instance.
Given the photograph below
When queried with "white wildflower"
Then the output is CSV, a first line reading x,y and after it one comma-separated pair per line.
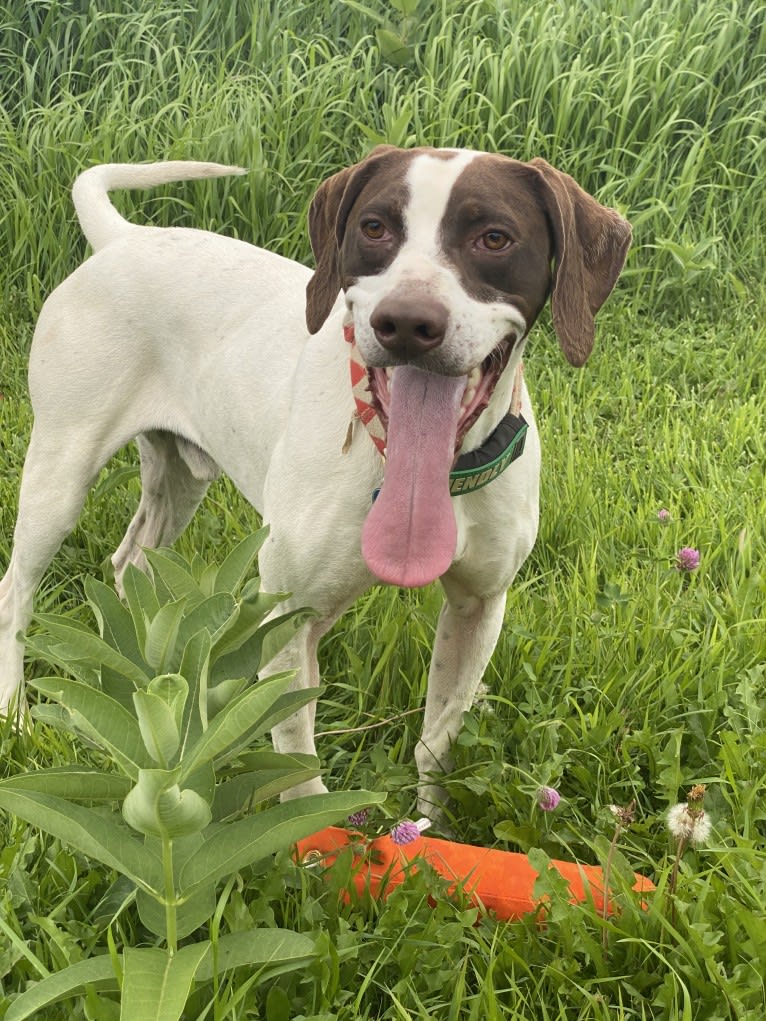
x,y
480,699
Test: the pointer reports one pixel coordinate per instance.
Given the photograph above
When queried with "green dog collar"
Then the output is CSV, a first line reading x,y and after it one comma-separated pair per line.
x,y
478,468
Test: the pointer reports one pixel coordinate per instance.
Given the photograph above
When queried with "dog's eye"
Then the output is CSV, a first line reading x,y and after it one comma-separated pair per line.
x,y
374,230
494,241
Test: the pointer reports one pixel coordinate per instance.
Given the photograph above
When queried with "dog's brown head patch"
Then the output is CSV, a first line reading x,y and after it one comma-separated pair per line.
x,y
381,177
495,234
328,217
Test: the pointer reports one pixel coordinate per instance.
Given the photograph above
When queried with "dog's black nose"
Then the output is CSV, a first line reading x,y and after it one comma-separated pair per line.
x,y
409,326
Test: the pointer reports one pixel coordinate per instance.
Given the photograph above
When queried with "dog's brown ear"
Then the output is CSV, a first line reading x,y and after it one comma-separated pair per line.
x,y
328,214
590,245
323,288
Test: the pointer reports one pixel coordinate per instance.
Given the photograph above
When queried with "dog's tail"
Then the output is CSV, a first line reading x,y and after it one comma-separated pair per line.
x,y
100,221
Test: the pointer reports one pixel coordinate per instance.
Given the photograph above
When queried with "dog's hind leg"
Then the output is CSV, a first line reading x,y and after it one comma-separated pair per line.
x,y
59,469
175,475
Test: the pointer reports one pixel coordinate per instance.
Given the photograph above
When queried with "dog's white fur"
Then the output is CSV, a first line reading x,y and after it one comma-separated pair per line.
x,y
197,345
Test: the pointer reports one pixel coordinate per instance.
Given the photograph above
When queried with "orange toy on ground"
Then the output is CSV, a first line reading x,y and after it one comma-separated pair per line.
x,y
499,881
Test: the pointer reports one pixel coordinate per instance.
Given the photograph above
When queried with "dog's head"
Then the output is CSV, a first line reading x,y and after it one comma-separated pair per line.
x,y
503,235
446,258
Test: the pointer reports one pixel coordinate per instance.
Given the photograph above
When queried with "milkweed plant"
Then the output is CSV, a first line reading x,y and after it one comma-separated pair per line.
x,y
166,688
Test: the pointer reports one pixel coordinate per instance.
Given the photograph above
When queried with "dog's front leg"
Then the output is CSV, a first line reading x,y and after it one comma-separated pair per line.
x,y
296,734
466,636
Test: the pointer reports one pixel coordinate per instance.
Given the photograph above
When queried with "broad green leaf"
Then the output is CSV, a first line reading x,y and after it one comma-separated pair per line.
x,y
238,844
232,722
202,781
207,576
77,644
173,689
156,984
250,949
97,972
157,806
113,479
95,834
68,624
119,894
216,614
194,667
190,915
252,613
142,600
367,11
406,7
267,759
246,660
183,847
158,726
393,47
114,620
251,590
100,718
238,563
277,1004
284,706
199,568
176,575
75,783
49,649
117,687
220,696
162,636
254,948
281,630
55,716
268,773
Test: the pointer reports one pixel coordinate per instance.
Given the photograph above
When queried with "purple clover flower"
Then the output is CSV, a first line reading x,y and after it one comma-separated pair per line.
x,y
405,832
548,799
663,516
358,818
687,559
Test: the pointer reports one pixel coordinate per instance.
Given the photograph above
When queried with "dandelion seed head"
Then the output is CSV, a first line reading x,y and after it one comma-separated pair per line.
x,y
693,826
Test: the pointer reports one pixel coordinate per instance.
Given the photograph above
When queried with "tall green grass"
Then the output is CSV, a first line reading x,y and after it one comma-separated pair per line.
x,y
656,107
617,678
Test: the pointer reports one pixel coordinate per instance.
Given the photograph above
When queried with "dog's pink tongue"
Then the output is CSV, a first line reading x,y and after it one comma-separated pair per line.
x,y
410,535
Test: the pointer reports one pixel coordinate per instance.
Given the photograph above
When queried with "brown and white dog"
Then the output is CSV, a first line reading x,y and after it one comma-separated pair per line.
x,y
434,264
